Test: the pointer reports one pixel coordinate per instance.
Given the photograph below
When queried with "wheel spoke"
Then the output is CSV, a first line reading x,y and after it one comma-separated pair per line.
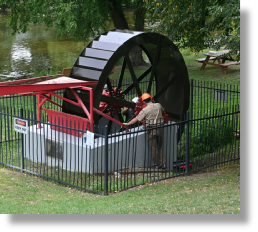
x,y
121,75
165,87
114,100
110,87
120,117
130,87
130,66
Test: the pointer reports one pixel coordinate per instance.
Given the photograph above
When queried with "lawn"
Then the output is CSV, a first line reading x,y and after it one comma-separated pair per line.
x,y
209,74
202,193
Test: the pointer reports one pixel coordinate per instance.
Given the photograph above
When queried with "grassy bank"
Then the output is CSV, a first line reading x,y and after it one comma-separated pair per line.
x,y
204,193
210,73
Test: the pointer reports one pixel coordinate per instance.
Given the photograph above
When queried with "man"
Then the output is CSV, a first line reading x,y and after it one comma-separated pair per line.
x,y
129,113
105,89
152,114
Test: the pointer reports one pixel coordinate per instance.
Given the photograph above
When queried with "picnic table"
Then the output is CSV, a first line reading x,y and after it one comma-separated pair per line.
x,y
221,61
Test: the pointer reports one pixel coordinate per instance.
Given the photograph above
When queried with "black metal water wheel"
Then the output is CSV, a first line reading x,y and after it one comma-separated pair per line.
x,y
166,77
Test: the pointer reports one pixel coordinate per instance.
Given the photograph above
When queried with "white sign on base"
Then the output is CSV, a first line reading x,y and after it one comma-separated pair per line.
x,y
21,125
90,138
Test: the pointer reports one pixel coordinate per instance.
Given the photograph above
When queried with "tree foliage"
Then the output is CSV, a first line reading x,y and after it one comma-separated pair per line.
x,y
78,19
199,24
195,24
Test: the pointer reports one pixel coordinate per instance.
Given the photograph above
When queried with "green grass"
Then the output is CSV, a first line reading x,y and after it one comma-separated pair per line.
x,y
210,73
44,72
34,73
203,193
10,154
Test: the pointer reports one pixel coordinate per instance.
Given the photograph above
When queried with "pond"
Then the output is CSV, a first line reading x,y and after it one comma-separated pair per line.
x,y
39,49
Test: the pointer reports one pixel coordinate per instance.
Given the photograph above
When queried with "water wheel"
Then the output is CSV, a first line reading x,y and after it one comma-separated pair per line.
x,y
165,77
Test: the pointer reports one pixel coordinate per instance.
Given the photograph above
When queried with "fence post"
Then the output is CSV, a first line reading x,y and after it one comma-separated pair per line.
x,y
106,162
191,96
187,143
22,144
35,108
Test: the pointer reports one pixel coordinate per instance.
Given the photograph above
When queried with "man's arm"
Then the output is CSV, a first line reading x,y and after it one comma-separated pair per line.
x,y
162,108
134,120
139,117
124,111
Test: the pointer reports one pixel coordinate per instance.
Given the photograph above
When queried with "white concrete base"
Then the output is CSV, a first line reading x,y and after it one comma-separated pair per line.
x,y
64,151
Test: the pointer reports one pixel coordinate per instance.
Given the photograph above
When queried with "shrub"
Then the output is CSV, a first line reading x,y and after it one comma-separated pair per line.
x,y
210,134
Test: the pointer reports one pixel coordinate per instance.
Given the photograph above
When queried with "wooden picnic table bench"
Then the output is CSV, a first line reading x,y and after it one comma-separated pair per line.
x,y
230,63
221,61
201,60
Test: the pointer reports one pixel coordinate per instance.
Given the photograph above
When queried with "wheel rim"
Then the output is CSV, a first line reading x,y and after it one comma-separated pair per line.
x,y
167,75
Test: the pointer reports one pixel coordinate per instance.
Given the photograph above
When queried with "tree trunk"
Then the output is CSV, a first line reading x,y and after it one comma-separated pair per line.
x,y
136,53
120,22
117,15
139,16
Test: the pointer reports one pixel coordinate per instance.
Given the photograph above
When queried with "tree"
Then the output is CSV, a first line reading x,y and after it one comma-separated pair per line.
x,y
199,24
80,19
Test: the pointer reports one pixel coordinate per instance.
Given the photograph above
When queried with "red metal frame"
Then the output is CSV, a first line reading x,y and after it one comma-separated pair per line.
x,y
33,86
79,103
25,87
62,122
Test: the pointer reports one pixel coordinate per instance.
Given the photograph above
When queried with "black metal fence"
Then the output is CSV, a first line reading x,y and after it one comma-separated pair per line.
x,y
206,138
205,98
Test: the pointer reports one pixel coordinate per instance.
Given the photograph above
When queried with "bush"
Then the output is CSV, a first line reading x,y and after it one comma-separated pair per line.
x,y
210,134
3,7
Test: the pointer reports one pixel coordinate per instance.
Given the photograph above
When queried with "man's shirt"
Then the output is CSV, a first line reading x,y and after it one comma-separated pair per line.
x,y
152,114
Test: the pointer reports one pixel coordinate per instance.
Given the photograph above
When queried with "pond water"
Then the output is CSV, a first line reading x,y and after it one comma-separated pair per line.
x,y
21,55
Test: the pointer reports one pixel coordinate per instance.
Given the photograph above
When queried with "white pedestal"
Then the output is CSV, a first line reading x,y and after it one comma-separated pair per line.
x,y
63,151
